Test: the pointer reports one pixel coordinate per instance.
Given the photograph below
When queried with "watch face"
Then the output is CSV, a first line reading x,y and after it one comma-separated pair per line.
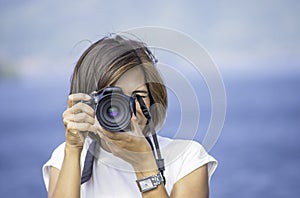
x,y
149,183
146,184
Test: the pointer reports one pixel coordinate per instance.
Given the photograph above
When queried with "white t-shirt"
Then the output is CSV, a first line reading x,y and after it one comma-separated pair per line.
x,y
114,177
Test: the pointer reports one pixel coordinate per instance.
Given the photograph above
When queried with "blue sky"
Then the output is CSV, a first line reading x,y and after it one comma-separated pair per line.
x,y
242,36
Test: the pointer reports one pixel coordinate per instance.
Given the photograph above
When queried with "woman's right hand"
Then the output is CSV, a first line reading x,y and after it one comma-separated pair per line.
x,y
78,118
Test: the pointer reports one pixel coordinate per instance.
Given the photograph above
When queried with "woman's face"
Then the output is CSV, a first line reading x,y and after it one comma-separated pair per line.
x,y
133,82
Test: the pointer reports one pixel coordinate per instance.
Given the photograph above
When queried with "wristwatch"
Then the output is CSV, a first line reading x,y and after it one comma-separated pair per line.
x,y
148,183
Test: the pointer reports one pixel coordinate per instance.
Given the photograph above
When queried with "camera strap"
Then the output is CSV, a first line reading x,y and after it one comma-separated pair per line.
x,y
156,151
88,163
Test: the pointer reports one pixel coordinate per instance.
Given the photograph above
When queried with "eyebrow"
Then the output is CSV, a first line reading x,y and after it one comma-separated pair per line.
x,y
140,91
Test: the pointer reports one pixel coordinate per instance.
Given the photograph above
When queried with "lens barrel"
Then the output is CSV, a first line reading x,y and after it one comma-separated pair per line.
x,y
114,110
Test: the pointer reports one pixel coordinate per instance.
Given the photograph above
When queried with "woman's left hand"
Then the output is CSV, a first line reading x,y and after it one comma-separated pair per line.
x,y
131,146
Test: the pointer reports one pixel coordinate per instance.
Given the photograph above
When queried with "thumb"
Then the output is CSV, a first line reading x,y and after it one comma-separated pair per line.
x,y
135,127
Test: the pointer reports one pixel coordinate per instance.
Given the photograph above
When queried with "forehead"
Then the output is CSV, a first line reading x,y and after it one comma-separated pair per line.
x,y
132,80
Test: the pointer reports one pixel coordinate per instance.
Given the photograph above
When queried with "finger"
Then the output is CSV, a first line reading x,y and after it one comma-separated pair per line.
x,y
112,135
135,127
80,118
80,115
111,143
80,108
75,98
80,127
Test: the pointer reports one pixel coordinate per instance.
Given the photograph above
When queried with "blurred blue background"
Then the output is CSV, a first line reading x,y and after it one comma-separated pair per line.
x,y
256,45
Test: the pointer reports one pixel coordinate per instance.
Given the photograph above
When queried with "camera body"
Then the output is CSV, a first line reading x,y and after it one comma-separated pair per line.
x,y
113,108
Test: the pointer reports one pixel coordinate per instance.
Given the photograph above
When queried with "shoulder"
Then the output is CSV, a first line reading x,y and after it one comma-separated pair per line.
x,y
184,156
57,157
181,148
58,154
55,161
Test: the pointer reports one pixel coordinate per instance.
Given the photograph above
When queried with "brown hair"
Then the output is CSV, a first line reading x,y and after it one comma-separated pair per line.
x,y
106,60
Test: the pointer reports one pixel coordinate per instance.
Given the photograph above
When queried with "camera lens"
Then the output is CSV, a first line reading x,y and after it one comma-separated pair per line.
x,y
114,113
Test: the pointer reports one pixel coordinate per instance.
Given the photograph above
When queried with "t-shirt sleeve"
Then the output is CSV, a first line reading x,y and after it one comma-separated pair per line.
x,y
56,161
194,157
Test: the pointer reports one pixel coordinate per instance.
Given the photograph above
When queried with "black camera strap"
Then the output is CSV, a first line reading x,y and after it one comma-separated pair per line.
x,y
156,151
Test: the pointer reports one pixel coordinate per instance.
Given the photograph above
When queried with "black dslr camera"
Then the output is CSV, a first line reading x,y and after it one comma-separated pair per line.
x,y
113,108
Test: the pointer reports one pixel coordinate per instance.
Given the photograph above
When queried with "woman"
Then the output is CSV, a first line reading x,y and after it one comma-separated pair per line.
x,y
124,160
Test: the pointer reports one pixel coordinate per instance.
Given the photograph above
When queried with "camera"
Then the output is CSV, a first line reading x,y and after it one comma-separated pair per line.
x,y
113,108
